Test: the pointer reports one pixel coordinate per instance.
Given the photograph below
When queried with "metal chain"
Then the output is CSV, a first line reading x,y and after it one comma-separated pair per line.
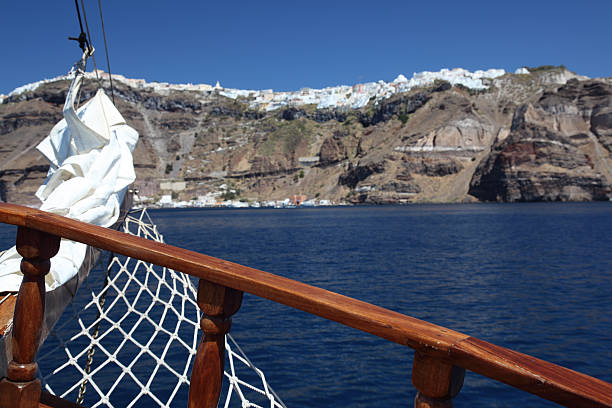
x,y
92,349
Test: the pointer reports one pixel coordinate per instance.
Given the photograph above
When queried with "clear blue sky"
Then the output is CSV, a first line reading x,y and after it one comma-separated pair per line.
x,y
288,45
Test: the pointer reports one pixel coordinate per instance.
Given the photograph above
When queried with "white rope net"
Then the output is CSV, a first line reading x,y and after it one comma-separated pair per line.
x,y
129,338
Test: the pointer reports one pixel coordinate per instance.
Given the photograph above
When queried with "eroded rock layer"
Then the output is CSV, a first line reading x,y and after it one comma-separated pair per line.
x,y
527,137
558,149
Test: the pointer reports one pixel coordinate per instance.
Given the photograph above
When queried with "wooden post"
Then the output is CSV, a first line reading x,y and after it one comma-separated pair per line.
x,y
437,381
21,388
218,304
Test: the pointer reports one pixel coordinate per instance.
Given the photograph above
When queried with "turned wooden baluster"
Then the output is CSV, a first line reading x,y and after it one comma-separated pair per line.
x,y
437,381
21,388
218,304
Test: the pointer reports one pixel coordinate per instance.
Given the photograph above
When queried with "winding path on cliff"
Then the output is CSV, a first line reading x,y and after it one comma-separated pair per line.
x,y
22,153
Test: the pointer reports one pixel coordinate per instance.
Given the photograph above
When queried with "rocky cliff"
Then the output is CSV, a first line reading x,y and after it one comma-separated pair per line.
x,y
538,136
558,149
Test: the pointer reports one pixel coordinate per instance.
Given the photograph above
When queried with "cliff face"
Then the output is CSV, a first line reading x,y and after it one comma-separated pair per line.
x,y
527,137
558,149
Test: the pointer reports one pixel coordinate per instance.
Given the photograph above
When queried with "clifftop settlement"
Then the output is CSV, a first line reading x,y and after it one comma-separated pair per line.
x,y
538,134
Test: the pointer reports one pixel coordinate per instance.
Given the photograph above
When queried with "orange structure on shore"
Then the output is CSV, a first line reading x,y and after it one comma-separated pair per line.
x,y
298,199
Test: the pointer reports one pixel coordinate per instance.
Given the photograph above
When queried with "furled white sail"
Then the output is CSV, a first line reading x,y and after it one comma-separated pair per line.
x,y
90,151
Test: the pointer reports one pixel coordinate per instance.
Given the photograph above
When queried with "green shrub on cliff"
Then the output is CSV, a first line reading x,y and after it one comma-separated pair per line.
x,y
288,135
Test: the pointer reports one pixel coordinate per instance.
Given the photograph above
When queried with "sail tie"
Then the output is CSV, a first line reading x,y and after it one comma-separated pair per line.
x,y
82,38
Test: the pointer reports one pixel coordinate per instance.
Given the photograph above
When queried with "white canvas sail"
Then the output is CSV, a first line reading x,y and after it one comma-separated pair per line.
x,y
90,155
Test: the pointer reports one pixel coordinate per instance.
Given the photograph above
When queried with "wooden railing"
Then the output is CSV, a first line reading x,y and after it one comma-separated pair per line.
x,y
441,355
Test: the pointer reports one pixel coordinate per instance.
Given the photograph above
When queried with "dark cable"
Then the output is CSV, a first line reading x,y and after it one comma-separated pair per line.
x,y
76,3
89,38
110,76
82,38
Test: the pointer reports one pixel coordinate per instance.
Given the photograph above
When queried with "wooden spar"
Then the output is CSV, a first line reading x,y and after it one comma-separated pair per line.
x,y
440,347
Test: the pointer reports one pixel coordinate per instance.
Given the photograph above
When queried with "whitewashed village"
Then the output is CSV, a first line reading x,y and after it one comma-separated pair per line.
x,y
353,97
342,97
216,199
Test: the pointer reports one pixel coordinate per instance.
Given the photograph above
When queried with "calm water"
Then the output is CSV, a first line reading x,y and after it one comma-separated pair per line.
x,y
536,278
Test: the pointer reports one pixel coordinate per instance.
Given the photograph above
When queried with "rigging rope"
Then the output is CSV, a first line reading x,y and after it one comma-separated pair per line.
x,y
85,43
110,76
82,38
89,39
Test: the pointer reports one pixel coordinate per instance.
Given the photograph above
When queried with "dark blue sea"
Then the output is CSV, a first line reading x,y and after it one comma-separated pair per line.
x,y
536,278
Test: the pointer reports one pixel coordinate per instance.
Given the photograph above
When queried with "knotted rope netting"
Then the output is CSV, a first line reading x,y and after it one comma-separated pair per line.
x,y
130,336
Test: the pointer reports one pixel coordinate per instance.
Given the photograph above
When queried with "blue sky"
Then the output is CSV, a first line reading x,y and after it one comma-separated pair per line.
x,y
288,45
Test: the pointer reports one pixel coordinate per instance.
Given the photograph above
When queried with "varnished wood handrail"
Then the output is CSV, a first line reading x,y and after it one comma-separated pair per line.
x,y
528,373
21,388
